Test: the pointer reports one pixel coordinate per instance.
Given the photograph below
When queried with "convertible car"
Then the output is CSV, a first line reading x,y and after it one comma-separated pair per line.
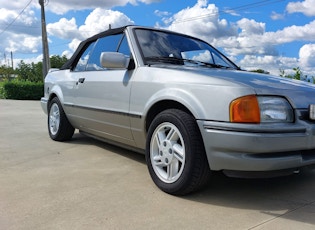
x,y
183,104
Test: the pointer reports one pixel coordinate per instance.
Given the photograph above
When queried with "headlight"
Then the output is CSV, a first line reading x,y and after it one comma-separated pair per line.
x,y
260,109
275,109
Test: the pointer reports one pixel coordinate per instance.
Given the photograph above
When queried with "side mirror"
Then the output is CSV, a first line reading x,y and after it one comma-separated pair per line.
x,y
114,60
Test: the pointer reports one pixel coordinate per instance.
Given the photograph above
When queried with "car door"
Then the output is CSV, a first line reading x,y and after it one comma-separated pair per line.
x,y
102,95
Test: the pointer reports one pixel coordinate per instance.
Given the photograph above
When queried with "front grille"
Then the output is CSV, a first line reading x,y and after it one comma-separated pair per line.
x,y
308,154
304,115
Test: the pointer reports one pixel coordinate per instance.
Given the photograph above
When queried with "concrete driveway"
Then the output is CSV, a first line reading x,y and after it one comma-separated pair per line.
x,y
86,184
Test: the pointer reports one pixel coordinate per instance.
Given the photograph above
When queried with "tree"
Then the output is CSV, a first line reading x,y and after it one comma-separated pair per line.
x,y
6,73
297,73
260,71
282,73
30,72
56,61
33,72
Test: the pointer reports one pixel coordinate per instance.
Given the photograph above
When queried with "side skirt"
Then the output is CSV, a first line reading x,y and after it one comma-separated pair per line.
x,y
128,147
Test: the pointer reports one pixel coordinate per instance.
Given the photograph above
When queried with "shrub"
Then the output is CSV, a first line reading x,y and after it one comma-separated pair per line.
x,y
2,90
22,90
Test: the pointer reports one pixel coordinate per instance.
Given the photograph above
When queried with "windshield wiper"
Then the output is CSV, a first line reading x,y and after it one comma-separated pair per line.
x,y
181,61
171,60
215,65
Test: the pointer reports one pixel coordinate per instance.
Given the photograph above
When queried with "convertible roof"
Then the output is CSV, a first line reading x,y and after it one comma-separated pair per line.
x,y
79,50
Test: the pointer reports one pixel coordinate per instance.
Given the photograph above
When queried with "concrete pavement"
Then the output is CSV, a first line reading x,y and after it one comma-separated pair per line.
x,y
87,184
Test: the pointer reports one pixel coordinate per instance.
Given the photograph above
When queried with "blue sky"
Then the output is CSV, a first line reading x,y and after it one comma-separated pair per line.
x,y
259,34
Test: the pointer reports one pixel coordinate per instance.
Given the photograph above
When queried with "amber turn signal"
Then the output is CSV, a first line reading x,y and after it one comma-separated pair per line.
x,y
245,110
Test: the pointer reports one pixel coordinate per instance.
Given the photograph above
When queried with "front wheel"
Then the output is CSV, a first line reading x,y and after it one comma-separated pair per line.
x,y
175,153
59,127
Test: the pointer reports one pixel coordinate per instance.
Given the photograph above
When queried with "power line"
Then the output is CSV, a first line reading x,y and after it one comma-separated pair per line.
x,y
227,11
256,4
7,27
238,8
21,26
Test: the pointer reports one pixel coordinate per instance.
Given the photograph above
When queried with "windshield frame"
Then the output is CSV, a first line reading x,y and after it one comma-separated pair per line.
x,y
147,59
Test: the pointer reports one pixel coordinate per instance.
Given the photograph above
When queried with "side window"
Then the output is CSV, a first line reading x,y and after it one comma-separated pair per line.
x,y
219,59
81,65
124,47
113,43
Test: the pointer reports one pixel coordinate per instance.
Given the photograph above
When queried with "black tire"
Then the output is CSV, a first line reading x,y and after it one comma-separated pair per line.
x,y
59,127
175,153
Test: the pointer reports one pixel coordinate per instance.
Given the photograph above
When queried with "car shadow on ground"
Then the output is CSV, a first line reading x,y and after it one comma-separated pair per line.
x,y
277,197
85,140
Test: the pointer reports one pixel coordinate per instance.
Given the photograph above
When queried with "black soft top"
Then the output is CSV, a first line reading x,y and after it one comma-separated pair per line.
x,y
83,44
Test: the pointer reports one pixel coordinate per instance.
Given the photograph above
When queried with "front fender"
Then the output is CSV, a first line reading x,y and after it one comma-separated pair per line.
x,y
56,91
49,93
179,95
60,84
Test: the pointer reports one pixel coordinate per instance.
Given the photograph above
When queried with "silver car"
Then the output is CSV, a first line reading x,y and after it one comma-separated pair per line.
x,y
183,104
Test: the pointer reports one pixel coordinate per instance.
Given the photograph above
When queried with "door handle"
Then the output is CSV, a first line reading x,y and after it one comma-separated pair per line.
x,y
81,80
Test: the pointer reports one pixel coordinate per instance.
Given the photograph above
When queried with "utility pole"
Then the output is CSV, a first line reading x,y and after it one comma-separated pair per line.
x,y
12,60
46,60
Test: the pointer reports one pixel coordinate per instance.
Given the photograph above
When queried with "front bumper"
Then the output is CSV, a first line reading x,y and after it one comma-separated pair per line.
x,y
258,148
43,103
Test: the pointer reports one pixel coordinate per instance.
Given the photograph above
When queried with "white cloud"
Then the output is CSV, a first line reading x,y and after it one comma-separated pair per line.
x,y
18,33
11,22
65,29
62,6
253,39
73,45
307,55
100,19
24,35
17,61
23,44
250,27
276,16
231,12
305,7
201,20
203,57
161,13
272,64
292,33
16,5
148,1
97,21
245,38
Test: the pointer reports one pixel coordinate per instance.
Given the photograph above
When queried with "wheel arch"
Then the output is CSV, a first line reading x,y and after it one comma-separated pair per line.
x,y
51,96
59,127
172,99
160,106
55,92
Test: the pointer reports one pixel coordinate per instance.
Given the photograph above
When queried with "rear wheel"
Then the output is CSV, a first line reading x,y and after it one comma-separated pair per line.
x,y
59,127
175,153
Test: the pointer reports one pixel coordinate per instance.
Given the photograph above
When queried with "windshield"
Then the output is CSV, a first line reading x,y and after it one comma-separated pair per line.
x,y
172,48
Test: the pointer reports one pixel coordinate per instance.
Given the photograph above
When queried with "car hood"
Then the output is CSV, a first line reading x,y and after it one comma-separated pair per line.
x,y
300,94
